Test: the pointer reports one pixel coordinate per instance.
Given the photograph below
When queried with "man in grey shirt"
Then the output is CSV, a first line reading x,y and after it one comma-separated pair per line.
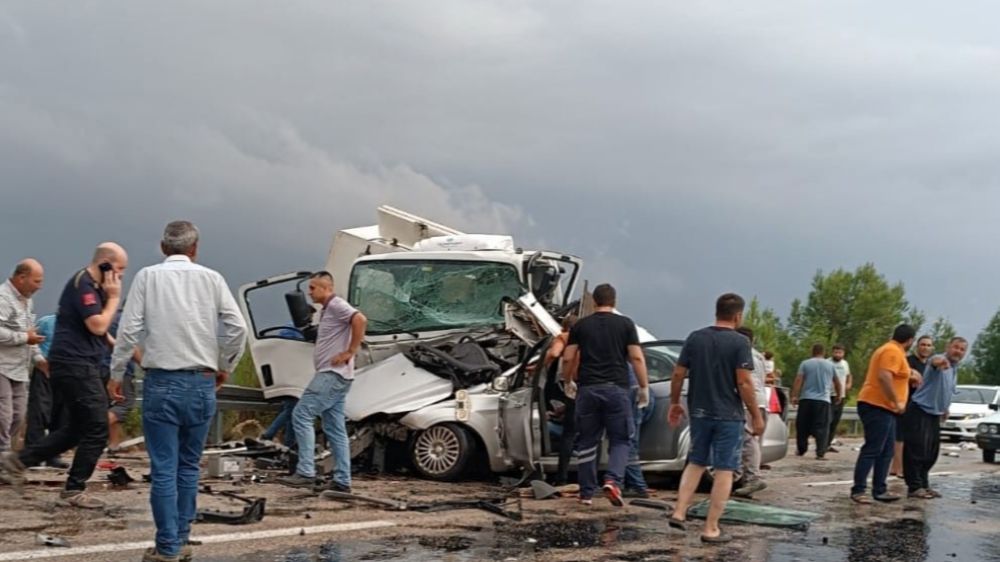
x,y
192,335
814,385
18,345
341,331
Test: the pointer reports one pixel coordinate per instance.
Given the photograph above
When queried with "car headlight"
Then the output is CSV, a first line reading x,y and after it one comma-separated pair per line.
x,y
983,428
975,416
993,429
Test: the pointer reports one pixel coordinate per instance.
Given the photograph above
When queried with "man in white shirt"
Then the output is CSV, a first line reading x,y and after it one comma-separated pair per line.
x,y
18,345
175,309
843,371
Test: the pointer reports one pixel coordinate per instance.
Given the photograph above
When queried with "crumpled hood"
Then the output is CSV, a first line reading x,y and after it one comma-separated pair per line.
x,y
393,386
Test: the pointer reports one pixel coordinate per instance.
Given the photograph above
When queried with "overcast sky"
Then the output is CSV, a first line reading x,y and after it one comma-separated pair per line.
x,y
682,149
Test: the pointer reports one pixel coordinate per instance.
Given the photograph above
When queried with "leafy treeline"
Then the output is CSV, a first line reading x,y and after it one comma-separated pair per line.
x,y
859,310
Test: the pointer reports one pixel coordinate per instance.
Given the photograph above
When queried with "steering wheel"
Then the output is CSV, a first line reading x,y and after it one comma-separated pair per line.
x,y
267,331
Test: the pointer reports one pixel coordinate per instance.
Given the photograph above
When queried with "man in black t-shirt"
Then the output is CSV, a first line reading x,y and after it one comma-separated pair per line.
x,y
718,362
86,309
922,352
596,358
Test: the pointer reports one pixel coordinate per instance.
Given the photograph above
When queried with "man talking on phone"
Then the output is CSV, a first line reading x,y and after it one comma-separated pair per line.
x,y
86,308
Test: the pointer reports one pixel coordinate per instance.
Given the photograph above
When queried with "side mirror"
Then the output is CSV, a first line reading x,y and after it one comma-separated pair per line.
x,y
995,407
501,384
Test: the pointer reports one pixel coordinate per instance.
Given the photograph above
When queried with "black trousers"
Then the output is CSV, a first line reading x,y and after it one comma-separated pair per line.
x,y
44,413
921,446
79,388
812,420
836,412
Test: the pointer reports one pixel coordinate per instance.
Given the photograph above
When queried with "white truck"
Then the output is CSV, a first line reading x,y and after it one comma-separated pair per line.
x,y
432,290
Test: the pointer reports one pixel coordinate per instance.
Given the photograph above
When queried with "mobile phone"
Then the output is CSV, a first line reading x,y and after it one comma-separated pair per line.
x,y
105,267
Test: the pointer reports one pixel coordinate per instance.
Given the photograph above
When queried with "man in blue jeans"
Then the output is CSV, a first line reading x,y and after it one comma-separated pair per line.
x,y
341,331
719,364
597,355
635,482
192,336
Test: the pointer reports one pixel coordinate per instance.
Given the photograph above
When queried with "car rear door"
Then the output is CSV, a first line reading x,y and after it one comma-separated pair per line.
x,y
657,440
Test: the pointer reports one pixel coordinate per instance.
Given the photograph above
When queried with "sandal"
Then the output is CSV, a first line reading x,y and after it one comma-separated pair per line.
x,y
887,498
722,538
861,498
675,523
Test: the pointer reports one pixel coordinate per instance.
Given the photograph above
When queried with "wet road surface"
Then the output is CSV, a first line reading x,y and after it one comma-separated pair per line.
x,y
960,526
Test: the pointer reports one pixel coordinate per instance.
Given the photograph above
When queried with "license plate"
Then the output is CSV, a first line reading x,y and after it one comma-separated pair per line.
x,y
950,425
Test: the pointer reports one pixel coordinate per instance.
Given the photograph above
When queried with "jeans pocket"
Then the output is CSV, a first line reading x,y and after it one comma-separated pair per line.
x,y
203,403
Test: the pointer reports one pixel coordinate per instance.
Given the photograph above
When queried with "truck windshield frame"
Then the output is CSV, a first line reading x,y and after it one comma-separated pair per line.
x,y
421,295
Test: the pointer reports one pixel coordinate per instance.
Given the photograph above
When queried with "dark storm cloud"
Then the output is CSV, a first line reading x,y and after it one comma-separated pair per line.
x,y
683,150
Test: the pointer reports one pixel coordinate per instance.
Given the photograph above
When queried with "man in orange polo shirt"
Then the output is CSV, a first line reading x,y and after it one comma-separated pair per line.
x,y
882,398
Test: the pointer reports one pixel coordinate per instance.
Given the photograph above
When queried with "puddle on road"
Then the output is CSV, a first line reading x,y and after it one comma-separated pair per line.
x,y
505,540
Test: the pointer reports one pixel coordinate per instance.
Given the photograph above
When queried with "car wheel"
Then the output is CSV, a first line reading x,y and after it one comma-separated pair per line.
x,y
442,452
989,455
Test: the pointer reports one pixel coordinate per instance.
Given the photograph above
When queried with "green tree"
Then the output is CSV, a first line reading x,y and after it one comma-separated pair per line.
x,y
770,335
942,331
858,309
986,352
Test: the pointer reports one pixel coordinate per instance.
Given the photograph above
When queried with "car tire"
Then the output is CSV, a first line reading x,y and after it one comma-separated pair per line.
x,y
442,452
989,455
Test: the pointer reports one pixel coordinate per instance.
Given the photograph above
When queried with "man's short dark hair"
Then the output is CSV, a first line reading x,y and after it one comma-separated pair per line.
x,y
818,349
768,355
322,275
605,295
925,337
746,332
958,338
904,333
728,306
838,347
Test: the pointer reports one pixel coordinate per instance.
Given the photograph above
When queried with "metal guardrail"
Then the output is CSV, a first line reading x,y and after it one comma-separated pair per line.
x,y
850,416
230,397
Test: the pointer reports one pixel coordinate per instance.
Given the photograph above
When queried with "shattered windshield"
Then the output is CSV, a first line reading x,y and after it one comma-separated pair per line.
x,y
422,295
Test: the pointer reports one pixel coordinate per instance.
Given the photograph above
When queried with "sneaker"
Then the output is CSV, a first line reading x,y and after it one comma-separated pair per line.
x,y
297,481
151,555
186,554
634,493
11,469
934,493
338,487
831,450
886,498
748,489
81,499
613,494
586,501
920,494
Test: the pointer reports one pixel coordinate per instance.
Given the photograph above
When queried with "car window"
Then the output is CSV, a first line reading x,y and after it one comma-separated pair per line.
x,y
971,396
660,360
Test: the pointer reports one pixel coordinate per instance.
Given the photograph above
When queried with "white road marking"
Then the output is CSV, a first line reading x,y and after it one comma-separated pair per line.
x,y
52,552
845,482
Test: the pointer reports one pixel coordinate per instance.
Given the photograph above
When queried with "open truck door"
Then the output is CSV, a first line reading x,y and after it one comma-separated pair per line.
x,y
282,333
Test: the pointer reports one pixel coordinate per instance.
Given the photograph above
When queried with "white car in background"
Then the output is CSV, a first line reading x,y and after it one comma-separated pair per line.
x,y
969,406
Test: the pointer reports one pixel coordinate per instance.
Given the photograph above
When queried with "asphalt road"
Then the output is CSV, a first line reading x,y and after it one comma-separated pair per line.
x,y
301,527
